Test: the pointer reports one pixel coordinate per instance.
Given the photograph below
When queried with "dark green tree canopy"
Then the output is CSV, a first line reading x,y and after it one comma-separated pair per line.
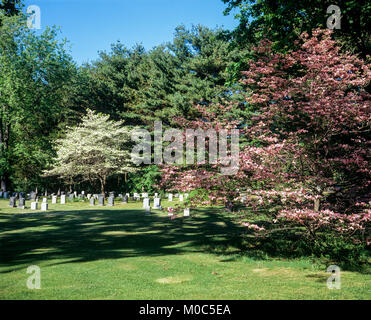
x,y
281,21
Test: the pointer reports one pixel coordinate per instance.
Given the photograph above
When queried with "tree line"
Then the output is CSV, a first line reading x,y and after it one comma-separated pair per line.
x,y
43,91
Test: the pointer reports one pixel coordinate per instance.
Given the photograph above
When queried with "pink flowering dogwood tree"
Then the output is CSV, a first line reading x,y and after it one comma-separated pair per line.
x,y
307,156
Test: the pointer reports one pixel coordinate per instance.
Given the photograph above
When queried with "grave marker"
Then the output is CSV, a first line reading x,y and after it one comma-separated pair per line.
x,y
146,203
100,200
111,201
12,202
22,203
157,204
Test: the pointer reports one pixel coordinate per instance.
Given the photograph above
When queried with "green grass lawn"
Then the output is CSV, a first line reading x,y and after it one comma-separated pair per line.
x,y
119,253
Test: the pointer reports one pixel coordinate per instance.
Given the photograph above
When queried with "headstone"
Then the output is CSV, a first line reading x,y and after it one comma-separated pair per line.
x,y
146,203
75,194
181,198
34,205
148,210
45,200
71,197
177,195
22,203
63,199
54,199
1,194
83,193
170,197
136,196
186,212
112,194
12,202
100,200
44,206
157,204
92,201
125,199
186,195
89,196
22,195
156,195
111,201
6,194
128,195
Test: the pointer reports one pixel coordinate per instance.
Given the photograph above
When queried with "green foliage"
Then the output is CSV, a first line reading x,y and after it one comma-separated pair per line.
x,y
282,21
10,7
35,72
145,179
339,250
165,82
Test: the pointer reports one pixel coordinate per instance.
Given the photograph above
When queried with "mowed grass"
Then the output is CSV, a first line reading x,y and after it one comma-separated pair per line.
x,y
119,253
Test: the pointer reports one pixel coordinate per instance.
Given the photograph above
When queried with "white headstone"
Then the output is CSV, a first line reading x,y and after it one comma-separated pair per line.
x,y
186,212
88,196
157,204
54,199
170,197
45,200
44,206
148,211
63,199
181,198
146,203
34,205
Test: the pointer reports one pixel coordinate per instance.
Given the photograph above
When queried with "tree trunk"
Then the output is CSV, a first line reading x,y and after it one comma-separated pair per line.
x,y
3,184
102,185
4,144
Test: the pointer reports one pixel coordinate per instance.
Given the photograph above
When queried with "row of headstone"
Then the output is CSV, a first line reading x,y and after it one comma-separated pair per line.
x,y
186,212
8,195
177,195
22,204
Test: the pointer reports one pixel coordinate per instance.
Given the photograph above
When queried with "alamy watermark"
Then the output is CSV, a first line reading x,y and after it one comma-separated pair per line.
x,y
34,18
34,280
334,21
173,153
334,281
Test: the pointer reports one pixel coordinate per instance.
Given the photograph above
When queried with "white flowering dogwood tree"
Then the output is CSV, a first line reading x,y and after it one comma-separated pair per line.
x,y
93,150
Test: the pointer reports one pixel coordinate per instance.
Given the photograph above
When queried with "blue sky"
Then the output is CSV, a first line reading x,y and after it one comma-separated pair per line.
x,y
93,25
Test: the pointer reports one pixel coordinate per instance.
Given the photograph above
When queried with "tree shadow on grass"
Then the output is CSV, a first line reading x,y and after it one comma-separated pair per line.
x,y
88,235
85,235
